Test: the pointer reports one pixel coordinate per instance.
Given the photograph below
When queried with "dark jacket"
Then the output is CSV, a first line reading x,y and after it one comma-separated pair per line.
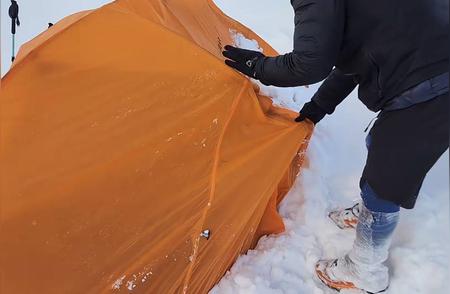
x,y
385,46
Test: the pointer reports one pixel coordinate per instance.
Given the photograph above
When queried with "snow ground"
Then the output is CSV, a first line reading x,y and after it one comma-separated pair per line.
x,y
284,263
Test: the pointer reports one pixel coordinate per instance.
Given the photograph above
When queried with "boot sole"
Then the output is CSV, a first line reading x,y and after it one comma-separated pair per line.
x,y
349,287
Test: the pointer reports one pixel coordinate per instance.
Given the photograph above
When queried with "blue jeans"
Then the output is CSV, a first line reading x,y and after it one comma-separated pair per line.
x,y
382,226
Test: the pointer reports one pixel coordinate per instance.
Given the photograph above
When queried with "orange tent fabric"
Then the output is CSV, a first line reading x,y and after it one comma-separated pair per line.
x,y
123,138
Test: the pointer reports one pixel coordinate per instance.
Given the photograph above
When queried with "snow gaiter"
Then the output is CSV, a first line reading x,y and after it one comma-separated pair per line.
x,y
378,219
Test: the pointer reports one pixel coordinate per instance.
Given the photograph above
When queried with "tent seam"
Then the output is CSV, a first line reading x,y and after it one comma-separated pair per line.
x,y
197,232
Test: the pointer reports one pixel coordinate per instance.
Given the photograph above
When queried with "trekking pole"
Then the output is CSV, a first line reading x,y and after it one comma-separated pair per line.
x,y
14,14
13,48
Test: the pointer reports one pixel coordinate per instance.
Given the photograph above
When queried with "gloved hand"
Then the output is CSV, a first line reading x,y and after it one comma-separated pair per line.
x,y
312,112
243,60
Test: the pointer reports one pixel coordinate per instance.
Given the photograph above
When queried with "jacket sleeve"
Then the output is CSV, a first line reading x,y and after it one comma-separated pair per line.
x,y
319,26
334,90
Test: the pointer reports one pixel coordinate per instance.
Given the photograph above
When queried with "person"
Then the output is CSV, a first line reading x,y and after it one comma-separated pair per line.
x,y
396,52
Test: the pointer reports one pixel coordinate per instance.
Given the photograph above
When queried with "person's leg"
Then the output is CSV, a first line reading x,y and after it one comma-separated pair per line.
x,y
363,267
378,219
403,146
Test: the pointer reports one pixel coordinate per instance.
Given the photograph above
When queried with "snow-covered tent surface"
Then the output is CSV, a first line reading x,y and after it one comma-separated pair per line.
x,y
124,137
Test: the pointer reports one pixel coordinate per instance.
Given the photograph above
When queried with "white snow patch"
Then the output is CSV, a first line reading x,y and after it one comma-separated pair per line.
x,y
241,41
131,285
118,283
144,279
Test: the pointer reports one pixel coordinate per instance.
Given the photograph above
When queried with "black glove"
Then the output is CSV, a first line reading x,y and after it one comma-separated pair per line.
x,y
312,112
14,15
243,60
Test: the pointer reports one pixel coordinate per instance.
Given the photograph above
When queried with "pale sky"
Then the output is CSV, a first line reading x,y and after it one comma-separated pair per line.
x,y
34,16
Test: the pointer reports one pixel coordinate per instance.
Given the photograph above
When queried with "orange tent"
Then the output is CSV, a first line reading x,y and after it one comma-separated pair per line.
x,y
126,142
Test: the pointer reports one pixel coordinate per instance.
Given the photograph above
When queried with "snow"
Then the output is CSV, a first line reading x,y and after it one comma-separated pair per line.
x,y
131,285
284,263
242,42
118,283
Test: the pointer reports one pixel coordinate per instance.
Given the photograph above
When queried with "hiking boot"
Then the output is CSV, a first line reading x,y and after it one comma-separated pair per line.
x,y
342,275
346,218
363,269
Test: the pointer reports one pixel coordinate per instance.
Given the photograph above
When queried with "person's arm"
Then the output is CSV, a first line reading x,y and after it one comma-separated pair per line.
x,y
334,90
331,93
319,29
